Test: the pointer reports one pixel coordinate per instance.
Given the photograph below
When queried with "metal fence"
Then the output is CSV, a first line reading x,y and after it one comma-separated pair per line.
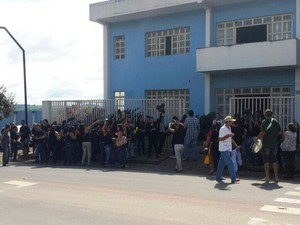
x,y
87,111
285,109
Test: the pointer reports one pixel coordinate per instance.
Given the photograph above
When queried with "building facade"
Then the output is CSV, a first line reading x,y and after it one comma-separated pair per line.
x,y
34,115
203,51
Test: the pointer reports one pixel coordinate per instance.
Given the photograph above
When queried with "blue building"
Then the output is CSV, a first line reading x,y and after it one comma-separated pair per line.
x,y
203,51
34,115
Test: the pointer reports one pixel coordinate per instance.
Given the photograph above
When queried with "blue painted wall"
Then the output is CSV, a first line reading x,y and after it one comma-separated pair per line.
x,y
137,73
20,115
267,78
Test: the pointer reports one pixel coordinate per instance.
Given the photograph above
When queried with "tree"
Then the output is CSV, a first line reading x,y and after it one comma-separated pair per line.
x,y
7,103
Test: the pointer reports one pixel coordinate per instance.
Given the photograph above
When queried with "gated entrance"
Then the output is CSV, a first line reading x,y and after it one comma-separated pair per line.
x,y
285,109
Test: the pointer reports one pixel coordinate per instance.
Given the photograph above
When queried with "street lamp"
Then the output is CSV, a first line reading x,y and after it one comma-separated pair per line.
x,y
24,71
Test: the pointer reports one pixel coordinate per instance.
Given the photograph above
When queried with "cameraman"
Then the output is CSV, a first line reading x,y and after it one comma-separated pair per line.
x,y
171,131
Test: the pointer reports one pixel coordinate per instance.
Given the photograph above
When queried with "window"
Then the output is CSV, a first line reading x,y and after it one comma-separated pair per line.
x,y
119,46
168,42
223,97
271,28
170,94
120,100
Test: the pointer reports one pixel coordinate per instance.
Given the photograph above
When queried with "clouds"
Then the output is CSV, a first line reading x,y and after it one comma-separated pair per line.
x,y
63,50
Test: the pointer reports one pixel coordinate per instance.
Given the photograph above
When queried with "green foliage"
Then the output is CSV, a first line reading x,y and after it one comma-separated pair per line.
x,y
7,103
206,123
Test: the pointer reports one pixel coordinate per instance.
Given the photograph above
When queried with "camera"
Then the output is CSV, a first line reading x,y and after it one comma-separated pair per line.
x,y
161,108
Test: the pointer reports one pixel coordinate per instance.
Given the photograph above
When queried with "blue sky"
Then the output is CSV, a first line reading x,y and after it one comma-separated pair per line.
x,y
63,50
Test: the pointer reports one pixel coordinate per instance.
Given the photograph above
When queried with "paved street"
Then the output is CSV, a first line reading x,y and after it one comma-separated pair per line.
x,y
80,195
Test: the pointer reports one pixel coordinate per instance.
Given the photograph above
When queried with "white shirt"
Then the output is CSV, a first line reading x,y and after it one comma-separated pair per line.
x,y
225,145
291,138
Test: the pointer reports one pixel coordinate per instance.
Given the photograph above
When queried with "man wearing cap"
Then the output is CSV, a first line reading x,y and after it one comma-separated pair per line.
x,y
270,129
225,147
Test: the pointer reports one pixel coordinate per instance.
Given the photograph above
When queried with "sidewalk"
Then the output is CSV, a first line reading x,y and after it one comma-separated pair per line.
x,y
166,164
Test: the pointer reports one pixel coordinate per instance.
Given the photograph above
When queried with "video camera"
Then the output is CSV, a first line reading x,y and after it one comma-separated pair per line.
x,y
161,108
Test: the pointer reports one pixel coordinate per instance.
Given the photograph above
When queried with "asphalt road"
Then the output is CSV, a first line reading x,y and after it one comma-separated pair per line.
x,y
31,195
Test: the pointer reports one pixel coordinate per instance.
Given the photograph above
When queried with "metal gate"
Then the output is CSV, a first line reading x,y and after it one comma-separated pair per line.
x,y
87,111
285,109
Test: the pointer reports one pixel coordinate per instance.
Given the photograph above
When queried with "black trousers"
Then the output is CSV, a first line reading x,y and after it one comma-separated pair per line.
x,y
289,162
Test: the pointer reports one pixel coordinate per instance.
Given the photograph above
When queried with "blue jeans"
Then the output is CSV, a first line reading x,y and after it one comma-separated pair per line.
x,y
107,149
225,160
187,142
247,144
39,152
6,154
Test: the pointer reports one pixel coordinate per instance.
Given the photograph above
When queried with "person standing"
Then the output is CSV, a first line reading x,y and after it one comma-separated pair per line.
x,y
192,127
161,134
225,147
6,141
289,153
140,135
270,129
178,140
152,133
14,135
25,134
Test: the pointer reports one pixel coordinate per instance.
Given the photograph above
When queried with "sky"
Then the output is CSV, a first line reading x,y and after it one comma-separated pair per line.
x,y
63,50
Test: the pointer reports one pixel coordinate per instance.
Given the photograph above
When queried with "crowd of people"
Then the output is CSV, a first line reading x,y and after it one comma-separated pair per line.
x,y
110,141
228,143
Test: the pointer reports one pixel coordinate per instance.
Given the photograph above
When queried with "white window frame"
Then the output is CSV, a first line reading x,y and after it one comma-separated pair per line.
x,y
170,94
119,47
223,95
119,97
156,42
279,27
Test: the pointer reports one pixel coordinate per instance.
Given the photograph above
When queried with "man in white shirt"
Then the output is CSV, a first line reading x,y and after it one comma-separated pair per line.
x,y
225,147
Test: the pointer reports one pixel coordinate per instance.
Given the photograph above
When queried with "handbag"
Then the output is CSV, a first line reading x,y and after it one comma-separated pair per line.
x,y
206,160
121,142
257,144
284,145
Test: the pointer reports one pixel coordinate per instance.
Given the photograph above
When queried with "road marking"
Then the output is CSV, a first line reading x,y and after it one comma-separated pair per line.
x,y
294,193
257,221
280,209
288,200
298,188
20,184
261,221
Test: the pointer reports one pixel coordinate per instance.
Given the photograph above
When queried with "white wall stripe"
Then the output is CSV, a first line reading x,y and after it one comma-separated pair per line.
x,y
288,200
280,209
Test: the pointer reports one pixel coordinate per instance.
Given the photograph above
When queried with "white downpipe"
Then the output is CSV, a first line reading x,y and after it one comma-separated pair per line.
x,y
106,61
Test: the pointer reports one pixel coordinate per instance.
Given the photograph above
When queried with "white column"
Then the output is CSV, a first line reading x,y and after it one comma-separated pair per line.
x,y
106,55
297,94
297,70
298,19
208,18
